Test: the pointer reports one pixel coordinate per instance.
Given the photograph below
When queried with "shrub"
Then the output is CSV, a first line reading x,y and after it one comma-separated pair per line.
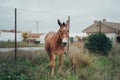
x,y
84,38
98,43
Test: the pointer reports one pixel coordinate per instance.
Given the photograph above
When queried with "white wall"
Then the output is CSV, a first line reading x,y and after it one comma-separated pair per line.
x,y
112,36
5,36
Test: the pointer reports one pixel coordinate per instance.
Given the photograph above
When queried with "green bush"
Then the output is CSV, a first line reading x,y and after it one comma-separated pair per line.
x,y
98,43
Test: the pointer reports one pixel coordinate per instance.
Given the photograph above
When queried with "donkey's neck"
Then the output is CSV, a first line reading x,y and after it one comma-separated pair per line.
x,y
57,39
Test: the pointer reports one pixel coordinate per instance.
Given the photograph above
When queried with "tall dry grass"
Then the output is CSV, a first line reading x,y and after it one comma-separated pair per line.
x,y
30,65
79,59
89,66
114,57
79,64
21,54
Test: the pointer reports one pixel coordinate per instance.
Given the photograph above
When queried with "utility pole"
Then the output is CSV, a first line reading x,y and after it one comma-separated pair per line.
x,y
15,33
37,26
100,26
68,33
100,34
0,33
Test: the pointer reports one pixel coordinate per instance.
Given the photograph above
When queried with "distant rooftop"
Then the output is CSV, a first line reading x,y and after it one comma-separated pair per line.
x,y
105,25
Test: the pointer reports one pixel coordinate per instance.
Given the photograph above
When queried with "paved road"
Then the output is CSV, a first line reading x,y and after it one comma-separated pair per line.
x,y
23,48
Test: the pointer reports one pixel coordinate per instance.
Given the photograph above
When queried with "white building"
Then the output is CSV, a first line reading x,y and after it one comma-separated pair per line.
x,y
111,29
8,36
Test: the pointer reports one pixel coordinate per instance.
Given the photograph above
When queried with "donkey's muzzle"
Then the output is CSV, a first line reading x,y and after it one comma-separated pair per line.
x,y
65,41
64,44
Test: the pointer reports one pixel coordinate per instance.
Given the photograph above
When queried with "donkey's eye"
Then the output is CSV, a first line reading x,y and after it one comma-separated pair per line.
x,y
67,31
60,31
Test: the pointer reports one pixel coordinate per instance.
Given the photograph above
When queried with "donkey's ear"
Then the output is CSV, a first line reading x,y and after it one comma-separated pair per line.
x,y
59,23
63,24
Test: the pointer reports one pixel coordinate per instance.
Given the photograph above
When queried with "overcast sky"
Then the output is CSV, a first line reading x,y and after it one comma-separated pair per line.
x,y
46,12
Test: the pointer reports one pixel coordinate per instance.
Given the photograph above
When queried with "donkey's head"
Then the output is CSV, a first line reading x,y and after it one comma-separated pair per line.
x,y
64,32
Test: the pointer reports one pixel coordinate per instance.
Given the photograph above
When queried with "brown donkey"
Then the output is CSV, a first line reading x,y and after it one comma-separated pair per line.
x,y
55,43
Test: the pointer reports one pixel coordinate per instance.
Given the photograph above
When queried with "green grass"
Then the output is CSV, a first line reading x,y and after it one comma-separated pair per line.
x,y
78,65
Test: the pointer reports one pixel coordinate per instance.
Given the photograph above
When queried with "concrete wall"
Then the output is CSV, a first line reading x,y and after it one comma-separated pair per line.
x,y
112,36
5,36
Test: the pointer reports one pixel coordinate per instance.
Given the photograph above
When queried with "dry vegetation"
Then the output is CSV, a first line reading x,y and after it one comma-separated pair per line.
x,y
79,64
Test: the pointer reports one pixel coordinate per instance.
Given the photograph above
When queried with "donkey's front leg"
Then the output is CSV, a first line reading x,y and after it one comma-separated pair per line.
x,y
60,63
52,64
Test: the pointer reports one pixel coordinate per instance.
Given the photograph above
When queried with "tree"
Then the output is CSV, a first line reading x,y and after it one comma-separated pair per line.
x,y
79,38
98,43
24,35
